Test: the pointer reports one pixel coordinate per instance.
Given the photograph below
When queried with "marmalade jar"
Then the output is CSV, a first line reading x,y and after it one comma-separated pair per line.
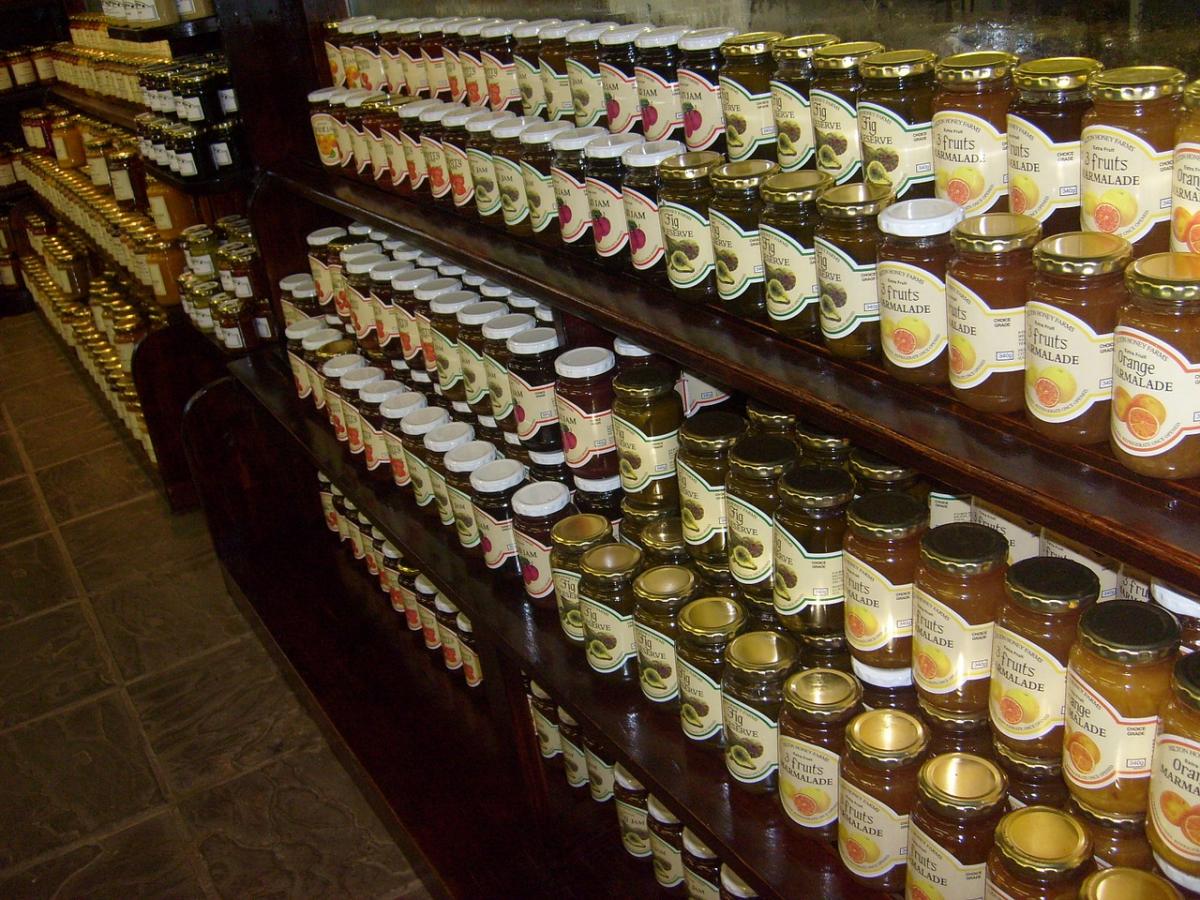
x,y
787,229
756,665
957,733
745,81
647,414
895,111
699,88
583,76
833,98
701,467
1185,174
570,188
658,82
618,79
1039,853
606,602
685,194
393,410
706,628
492,488
469,52
640,186
751,498
584,397
660,593
734,215
796,147
570,538
537,508
460,463
1032,781
1116,840
1175,778
499,67
1124,881
604,174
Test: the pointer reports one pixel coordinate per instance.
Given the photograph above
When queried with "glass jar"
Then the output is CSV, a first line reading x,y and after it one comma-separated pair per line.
x,y
847,239
604,175
878,790
640,194
570,188
405,307
127,175
499,67
444,327
1039,852
570,538
496,356
970,110
1156,339
531,382
583,73
393,410
600,767
409,127
895,112
602,497
472,670
434,58
660,593
324,245
446,614
989,272
745,82
525,57
662,541
699,88
701,468
647,414
1069,322
1174,778
470,61
1126,882
790,103
432,134
331,374
786,232
1032,781
584,399
413,428
492,488
437,443
685,194
537,508
833,97
552,70
506,158
751,498
544,712
631,803
957,733
1185,176
538,182
471,319
426,597
1116,840
318,347
574,759
706,628
734,212
376,453
67,139
756,665
459,464
666,843
423,296
655,71
701,868
1127,141
874,474
821,447
606,603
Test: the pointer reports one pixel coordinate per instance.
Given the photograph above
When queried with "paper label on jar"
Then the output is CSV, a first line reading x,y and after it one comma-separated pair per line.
x,y
299,375
451,650
60,148
535,565
872,837
435,166
410,332
511,189
739,262
609,635
416,79
1104,567
502,87
157,282
803,578
1175,792
609,226
1156,394
122,186
454,75
498,387
1185,197
435,74
1126,183
429,627
539,195
912,313
350,66
895,152
749,123
529,84
534,406
621,101
699,702
645,230
695,393
333,55
808,782
934,872
566,594
464,516
414,158
948,651
790,270
835,134
703,119
751,741
425,333
702,505
643,458
668,862
600,777
399,463
877,611
687,243
586,435
557,89
849,291
1133,584
386,325
970,161
983,341
497,538
393,72
474,79
574,761
587,93
441,496
483,176
1027,696
751,541
370,69
474,373
795,142
375,449
549,738
221,156
449,364
660,104
656,664
472,670
418,473
574,214
698,888
396,159
1100,745
407,601
1068,366
1043,175
635,832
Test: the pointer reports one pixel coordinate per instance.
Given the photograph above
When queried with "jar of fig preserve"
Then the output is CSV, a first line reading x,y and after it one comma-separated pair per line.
x,y
894,121
790,101
444,327
660,593
734,213
584,399
496,356
583,73
685,194
701,868
600,767
701,466
833,98
617,57
883,752
655,70
699,88
1038,852
756,665
666,843
570,188
874,474
537,508
751,498
746,95
570,538
492,488
706,628
640,195
1032,781
531,381
480,149
647,415
786,232
847,240
544,712
604,174
525,56
606,602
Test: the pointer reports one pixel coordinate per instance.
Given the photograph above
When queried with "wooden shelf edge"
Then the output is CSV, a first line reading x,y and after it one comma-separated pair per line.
x,y
177,31
110,109
218,184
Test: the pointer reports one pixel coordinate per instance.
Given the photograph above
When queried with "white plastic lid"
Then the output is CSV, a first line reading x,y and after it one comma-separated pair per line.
x,y
357,379
323,236
623,347
920,218
400,405
498,475
473,279
422,421
319,338
339,95
533,341
520,301
544,132
340,365
362,263
626,34
494,289
301,281
436,24
427,290
1175,599
461,406
659,812
503,327
406,253
547,457
320,95
511,128
381,237
485,120
463,623
451,303
584,362
651,153
386,271
361,97
470,29
380,391
478,313
536,690
577,138
695,846
414,110
612,146
458,117
487,421
625,780
733,885
390,551
424,585
451,270
597,485
705,38
412,27
298,330
885,678
542,498
421,375
500,29
586,33
392,244
360,249
532,29
661,37
407,281
443,605
565,718
470,456
560,30
429,261
437,113
445,438
543,313
355,96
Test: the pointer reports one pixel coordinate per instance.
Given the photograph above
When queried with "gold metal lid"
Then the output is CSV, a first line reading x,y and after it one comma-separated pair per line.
x,y
712,619
711,431
742,176
750,43
687,166
1051,584
1109,821
964,548
763,455
1082,253
854,201
768,418
611,562
887,737
1191,95
1043,841
644,382
762,653
816,487
820,442
665,583
897,63
715,574
1173,277
873,467
962,784
795,187
1135,84
978,65
802,46
846,55
1056,73
1123,883
822,693
664,534
1129,632
888,515
580,531
1185,679
996,233
964,721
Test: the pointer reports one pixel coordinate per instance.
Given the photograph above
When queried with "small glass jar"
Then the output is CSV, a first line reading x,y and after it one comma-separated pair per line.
x,y
537,508
496,357
481,161
535,142
584,399
745,81
655,70
734,213
460,463
499,67
702,465
756,665
883,752
583,75
413,428
666,843
617,58
632,812
432,132
422,296
331,374
506,159
570,538
552,70
531,382
525,55
874,474
640,194
660,593
66,137
444,327
751,498
127,176
957,733
701,868
606,602
894,120
544,712
647,414
1116,840
790,101
1039,852
409,127
349,386
404,310
699,88
1032,781
786,233
318,347
471,667
685,194
437,443
1173,791
986,290
833,97
1185,607
706,627
446,614
471,319
570,188
604,173
492,488
393,409
426,596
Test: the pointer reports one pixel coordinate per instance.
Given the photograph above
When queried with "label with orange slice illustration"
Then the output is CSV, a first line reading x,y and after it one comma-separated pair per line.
x,y
970,161
947,650
1156,403
1100,745
983,341
1068,366
872,837
912,314
808,782
1028,693
877,611
1175,794
934,874
1043,175
1185,198
1126,183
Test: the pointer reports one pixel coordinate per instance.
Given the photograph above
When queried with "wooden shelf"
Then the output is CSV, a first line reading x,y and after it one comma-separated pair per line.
x,y
750,832
1081,492
31,94
218,184
110,109
191,36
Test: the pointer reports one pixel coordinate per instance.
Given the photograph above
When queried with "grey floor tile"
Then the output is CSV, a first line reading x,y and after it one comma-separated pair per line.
x,y
92,483
33,576
30,364
67,435
20,514
46,397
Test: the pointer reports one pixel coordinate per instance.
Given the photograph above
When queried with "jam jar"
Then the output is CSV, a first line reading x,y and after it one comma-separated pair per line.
x,y
602,497
410,137
419,422
751,498
525,57
847,240
706,628
640,194
631,802
786,231
531,382
437,443
444,327
699,88
584,398
833,98
492,488
617,58
1032,781
685,194
666,843
745,82
426,596
701,868
539,184
655,70
482,164
474,81
660,593
756,665
1185,607
1124,881
552,70
380,304
647,415
702,465
604,173
895,112
662,541
1038,852
433,131
606,602
496,356
957,732
1174,778
544,713
404,309
600,767
570,188
874,474
537,508
570,736
583,73
499,68
790,102
460,463
471,320
446,614
458,164
1116,840
734,213
506,160
570,538
422,296
377,454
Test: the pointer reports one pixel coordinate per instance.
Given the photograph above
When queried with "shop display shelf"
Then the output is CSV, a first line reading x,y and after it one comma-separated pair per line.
x,y
31,94
110,109
750,832
1082,492
223,183
189,36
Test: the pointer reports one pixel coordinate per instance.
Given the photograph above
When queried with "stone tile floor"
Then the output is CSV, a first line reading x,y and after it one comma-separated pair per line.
x,y
148,745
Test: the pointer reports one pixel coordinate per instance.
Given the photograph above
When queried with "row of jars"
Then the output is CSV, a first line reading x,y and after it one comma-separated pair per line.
x,y
109,73
196,89
26,66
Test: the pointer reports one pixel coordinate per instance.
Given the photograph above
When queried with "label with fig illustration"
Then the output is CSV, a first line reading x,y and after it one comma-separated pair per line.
x,y
749,124
548,735
849,292
587,93
574,761
609,635
464,516
795,143
895,152
668,862
557,88
600,776
514,202
498,387
656,664
635,831
751,741
804,578
539,194
790,270
699,702
529,83
835,134
483,176
751,541
702,505
566,595
418,473
739,263
687,243
643,458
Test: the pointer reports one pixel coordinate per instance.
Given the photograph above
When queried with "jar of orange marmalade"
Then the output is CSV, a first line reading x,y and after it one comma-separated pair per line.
x,y
1040,854
878,790
1173,816
1108,884
1032,781
1118,677
960,800
1116,840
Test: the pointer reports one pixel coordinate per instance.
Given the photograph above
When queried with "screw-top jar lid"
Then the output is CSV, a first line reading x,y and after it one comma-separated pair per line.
x,y
822,693
369,98
1173,277
712,619
340,365
665,584
586,34
749,43
711,431
547,457
445,438
506,129
746,175
795,187
920,218
481,312
816,487
580,530
584,362
964,548
762,652
846,55
358,378
411,278
435,287
1123,882
455,25
404,252
802,46
532,29
298,285
354,251
659,812
888,516
573,139
1037,767
625,780
323,236
625,34
463,624
320,95
443,605
521,302
305,327
380,390
458,117
413,26
470,456
422,420
494,289
598,485
544,132
612,146
429,261
361,264
386,271
314,340
500,29
450,304
1043,841
975,66
533,341
705,39
897,63
540,499
664,534
688,166
644,383
996,233
424,586
866,465
660,37
1136,83
885,738
650,154
498,475
1129,632
1056,73
611,561
1082,253
472,29
763,455
558,30
961,785
854,201
503,327
485,121
623,347
414,110
420,375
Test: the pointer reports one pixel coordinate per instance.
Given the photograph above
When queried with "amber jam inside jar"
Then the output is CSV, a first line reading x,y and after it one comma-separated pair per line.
x,y
745,81
756,665
1116,840
570,538
584,397
1039,852
606,602
988,275
492,488
734,215
684,196
790,85
847,240
495,360
706,627
604,172
701,468
833,100
878,791
957,733
1032,781
874,474
660,592
1117,679
647,414
787,229
1175,778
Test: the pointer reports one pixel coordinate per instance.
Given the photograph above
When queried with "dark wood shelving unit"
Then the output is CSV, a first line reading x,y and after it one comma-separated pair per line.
x,y
110,109
31,93
223,183
190,36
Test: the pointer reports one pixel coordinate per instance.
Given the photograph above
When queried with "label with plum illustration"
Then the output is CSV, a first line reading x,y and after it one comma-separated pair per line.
x,y
808,782
514,202
1068,365
529,84
835,135
566,595
645,230
894,152
497,538
534,406
548,735
574,214
474,78
539,195
1028,694
643,458
656,664
662,108
1175,794
1043,175
912,314
1156,394
703,118
620,99
458,170
795,144
429,627
948,651
464,516
872,837
483,176
749,124
751,541
668,862
557,89
414,158
702,505
393,146
535,565
738,258
1185,198
970,161
574,762
600,776
688,245
587,93
498,387
1100,745
699,702
586,435
609,636
1126,183
635,832
804,578
607,208
935,872
502,87
849,293
983,341
877,611
790,270
751,741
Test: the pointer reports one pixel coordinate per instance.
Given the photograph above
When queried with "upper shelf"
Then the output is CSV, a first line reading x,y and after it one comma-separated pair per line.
x,y
110,109
189,36
1081,492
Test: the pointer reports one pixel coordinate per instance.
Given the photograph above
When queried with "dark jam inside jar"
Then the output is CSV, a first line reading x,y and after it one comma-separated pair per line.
x,y
834,102
570,188
531,380
796,146
658,83
584,395
699,88
706,627
537,508
492,489
746,95
640,192
895,113
603,170
539,183
685,194
787,228
734,212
